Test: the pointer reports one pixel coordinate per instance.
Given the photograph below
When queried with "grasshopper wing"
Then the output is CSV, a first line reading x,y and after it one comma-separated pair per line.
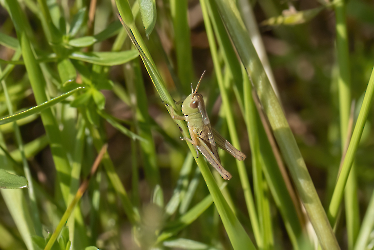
x,y
226,145
212,159
206,133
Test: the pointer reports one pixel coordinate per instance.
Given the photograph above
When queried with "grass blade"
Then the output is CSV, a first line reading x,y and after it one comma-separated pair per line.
x,y
37,109
282,132
352,148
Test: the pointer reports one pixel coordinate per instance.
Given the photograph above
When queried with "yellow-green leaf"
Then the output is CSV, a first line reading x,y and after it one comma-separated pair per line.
x,y
294,18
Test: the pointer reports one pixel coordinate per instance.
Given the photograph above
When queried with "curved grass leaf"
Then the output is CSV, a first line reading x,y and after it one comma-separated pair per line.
x,y
298,17
121,128
149,14
105,58
11,181
8,41
37,109
82,41
349,157
31,149
8,128
186,219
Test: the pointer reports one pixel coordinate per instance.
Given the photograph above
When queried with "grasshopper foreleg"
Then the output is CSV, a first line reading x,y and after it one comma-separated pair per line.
x,y
176,116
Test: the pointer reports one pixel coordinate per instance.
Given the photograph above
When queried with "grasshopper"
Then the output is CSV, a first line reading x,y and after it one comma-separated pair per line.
x,y
203,136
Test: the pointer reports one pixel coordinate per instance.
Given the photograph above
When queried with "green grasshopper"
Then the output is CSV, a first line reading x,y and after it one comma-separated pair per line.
x,y
203,136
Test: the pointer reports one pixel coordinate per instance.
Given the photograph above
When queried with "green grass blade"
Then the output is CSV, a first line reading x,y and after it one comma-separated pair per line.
x,y
8,127
121,128
9,41
179,11
278,122
349,157
231,126
262,153
37,109
186,219
367,226
192,187
180,189
75,180
344,84
31,149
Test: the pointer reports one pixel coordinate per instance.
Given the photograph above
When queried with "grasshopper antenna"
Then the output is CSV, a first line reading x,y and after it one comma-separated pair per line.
x,y
198,83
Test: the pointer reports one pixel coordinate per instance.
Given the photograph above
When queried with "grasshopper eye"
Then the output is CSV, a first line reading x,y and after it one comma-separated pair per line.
x,y
194,104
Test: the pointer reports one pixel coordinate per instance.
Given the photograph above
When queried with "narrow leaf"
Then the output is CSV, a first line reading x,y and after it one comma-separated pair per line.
x,y
105,58
8,41
37,109
121,128
298,17
82,41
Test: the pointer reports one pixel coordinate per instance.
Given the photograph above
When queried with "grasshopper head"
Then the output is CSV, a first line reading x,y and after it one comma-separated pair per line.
x,y
193,101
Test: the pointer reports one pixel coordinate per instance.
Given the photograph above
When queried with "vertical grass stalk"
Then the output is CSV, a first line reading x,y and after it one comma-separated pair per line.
x,y
278,122
231,126
344,84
